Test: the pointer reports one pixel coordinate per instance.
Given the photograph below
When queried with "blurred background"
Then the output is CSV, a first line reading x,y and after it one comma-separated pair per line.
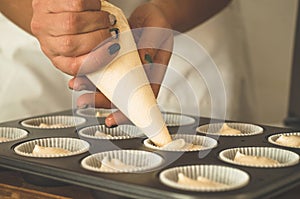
x,y
251,42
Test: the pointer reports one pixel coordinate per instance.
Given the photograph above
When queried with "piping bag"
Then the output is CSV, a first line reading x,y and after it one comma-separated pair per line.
x,y
124,82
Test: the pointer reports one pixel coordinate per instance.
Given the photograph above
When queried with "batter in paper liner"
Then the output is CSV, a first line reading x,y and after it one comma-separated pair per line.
x,y
40,150
111,165
226,130
102,135
181,144
4,139
125,83
289,140
44,125
200,182
254,160
99,114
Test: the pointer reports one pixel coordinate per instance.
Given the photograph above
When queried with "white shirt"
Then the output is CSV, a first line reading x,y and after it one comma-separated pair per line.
x,y
30,85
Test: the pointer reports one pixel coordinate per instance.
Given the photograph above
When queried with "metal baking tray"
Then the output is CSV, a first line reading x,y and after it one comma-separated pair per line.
x,y
264,183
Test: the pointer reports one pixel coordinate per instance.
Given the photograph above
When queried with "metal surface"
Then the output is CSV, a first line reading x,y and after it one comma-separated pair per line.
x,y
264,183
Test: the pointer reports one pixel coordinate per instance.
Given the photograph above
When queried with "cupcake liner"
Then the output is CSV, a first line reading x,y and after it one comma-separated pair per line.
x,y
177,120
75,146
246,129
284,157
8,134
118,133
205,142
142,161
272,139
95,112
232,178
57,122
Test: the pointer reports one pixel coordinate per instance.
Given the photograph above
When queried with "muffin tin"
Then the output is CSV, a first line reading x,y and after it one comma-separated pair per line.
x,y
263,182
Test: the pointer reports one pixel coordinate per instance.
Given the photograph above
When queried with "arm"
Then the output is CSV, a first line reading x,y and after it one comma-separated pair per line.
x,y
185,14
18,11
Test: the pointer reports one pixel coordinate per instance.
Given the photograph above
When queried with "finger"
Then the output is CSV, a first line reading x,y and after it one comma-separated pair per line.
x,y
116,118
80,83
75,45
96,99
68,23
155,38
156,67
55,6
85,64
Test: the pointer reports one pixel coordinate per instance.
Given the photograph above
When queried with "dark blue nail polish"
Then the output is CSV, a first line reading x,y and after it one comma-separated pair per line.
x,y
115,32
148,59
114,48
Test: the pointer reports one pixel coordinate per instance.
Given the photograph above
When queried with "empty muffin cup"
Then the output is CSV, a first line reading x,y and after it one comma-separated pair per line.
x,y
291,140
52,147
183,142
263,157
118,133
204,178
95,112
122,161
230,129
8,134
172,119
53,122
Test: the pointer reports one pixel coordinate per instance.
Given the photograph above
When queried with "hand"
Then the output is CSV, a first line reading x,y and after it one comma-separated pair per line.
x,y
154,45
68,30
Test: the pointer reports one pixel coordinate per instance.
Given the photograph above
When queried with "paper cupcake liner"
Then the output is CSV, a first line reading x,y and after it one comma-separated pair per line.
x,y
284,157
177,120
246,129
61,121
233,178
143,161
95,112
272,139
118,133
75,146
8,134
206,142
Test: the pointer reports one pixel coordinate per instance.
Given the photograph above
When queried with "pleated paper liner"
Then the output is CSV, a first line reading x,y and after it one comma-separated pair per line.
x,y
118,133
205,142
140,161
53,122
8,134
95,112
172,119
73,145
230,178
246,129
285,158
273,139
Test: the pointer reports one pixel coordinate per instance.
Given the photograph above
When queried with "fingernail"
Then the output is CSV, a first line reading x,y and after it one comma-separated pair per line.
x,y
148,59
115,32
114,48
110,122
81,87
112,19
84,106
